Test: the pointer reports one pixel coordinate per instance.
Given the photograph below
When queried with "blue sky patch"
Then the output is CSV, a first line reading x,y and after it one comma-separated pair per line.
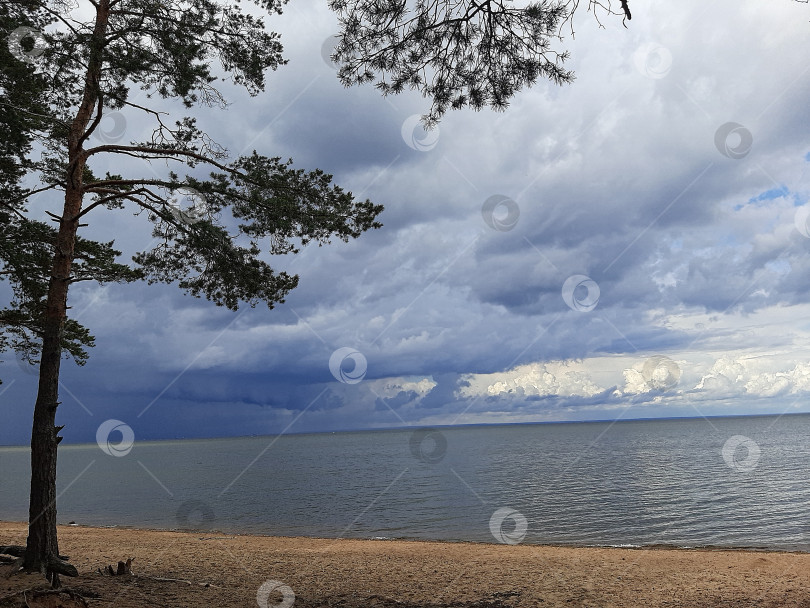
x,y
769,195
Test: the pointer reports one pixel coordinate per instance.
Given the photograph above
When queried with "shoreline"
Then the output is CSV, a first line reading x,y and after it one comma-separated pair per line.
x,y
184,569
628,546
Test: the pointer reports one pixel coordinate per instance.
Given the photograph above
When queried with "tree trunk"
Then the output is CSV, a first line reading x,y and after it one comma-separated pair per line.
x,y
42,548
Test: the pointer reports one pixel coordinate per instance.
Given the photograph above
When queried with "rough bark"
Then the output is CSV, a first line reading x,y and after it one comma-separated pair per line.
x,y
42,543
42,548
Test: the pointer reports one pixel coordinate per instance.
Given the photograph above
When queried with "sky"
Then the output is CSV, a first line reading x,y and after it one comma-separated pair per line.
x,y
632,245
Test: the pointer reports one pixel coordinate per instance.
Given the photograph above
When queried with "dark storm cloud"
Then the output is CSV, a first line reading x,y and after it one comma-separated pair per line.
x,y
353,135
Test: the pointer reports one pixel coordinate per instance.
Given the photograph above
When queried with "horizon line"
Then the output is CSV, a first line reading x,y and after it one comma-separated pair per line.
x,y
445,426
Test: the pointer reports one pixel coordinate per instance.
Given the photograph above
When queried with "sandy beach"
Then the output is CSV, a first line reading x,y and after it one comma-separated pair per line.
x,y
219,570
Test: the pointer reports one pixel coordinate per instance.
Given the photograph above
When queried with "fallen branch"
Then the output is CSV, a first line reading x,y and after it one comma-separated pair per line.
x,y
177,580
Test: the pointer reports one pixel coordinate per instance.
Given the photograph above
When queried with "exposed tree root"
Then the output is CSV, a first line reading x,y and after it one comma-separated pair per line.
x,y
36,598
51,569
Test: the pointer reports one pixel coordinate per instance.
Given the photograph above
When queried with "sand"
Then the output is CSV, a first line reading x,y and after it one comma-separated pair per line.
x,y
218,570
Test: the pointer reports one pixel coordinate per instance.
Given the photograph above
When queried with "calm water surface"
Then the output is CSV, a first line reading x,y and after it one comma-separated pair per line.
x,y
626,483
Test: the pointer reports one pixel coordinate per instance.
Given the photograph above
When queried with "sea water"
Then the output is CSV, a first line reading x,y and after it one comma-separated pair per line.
x,y
730,482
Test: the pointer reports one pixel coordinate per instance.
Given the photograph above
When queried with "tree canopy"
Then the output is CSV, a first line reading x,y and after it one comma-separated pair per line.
x,y
472,53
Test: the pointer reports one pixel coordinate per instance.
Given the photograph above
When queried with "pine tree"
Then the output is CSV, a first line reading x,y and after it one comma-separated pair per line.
x,y
61,76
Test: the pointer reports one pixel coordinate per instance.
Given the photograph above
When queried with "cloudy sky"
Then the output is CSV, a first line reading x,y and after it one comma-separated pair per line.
x,y
634,244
